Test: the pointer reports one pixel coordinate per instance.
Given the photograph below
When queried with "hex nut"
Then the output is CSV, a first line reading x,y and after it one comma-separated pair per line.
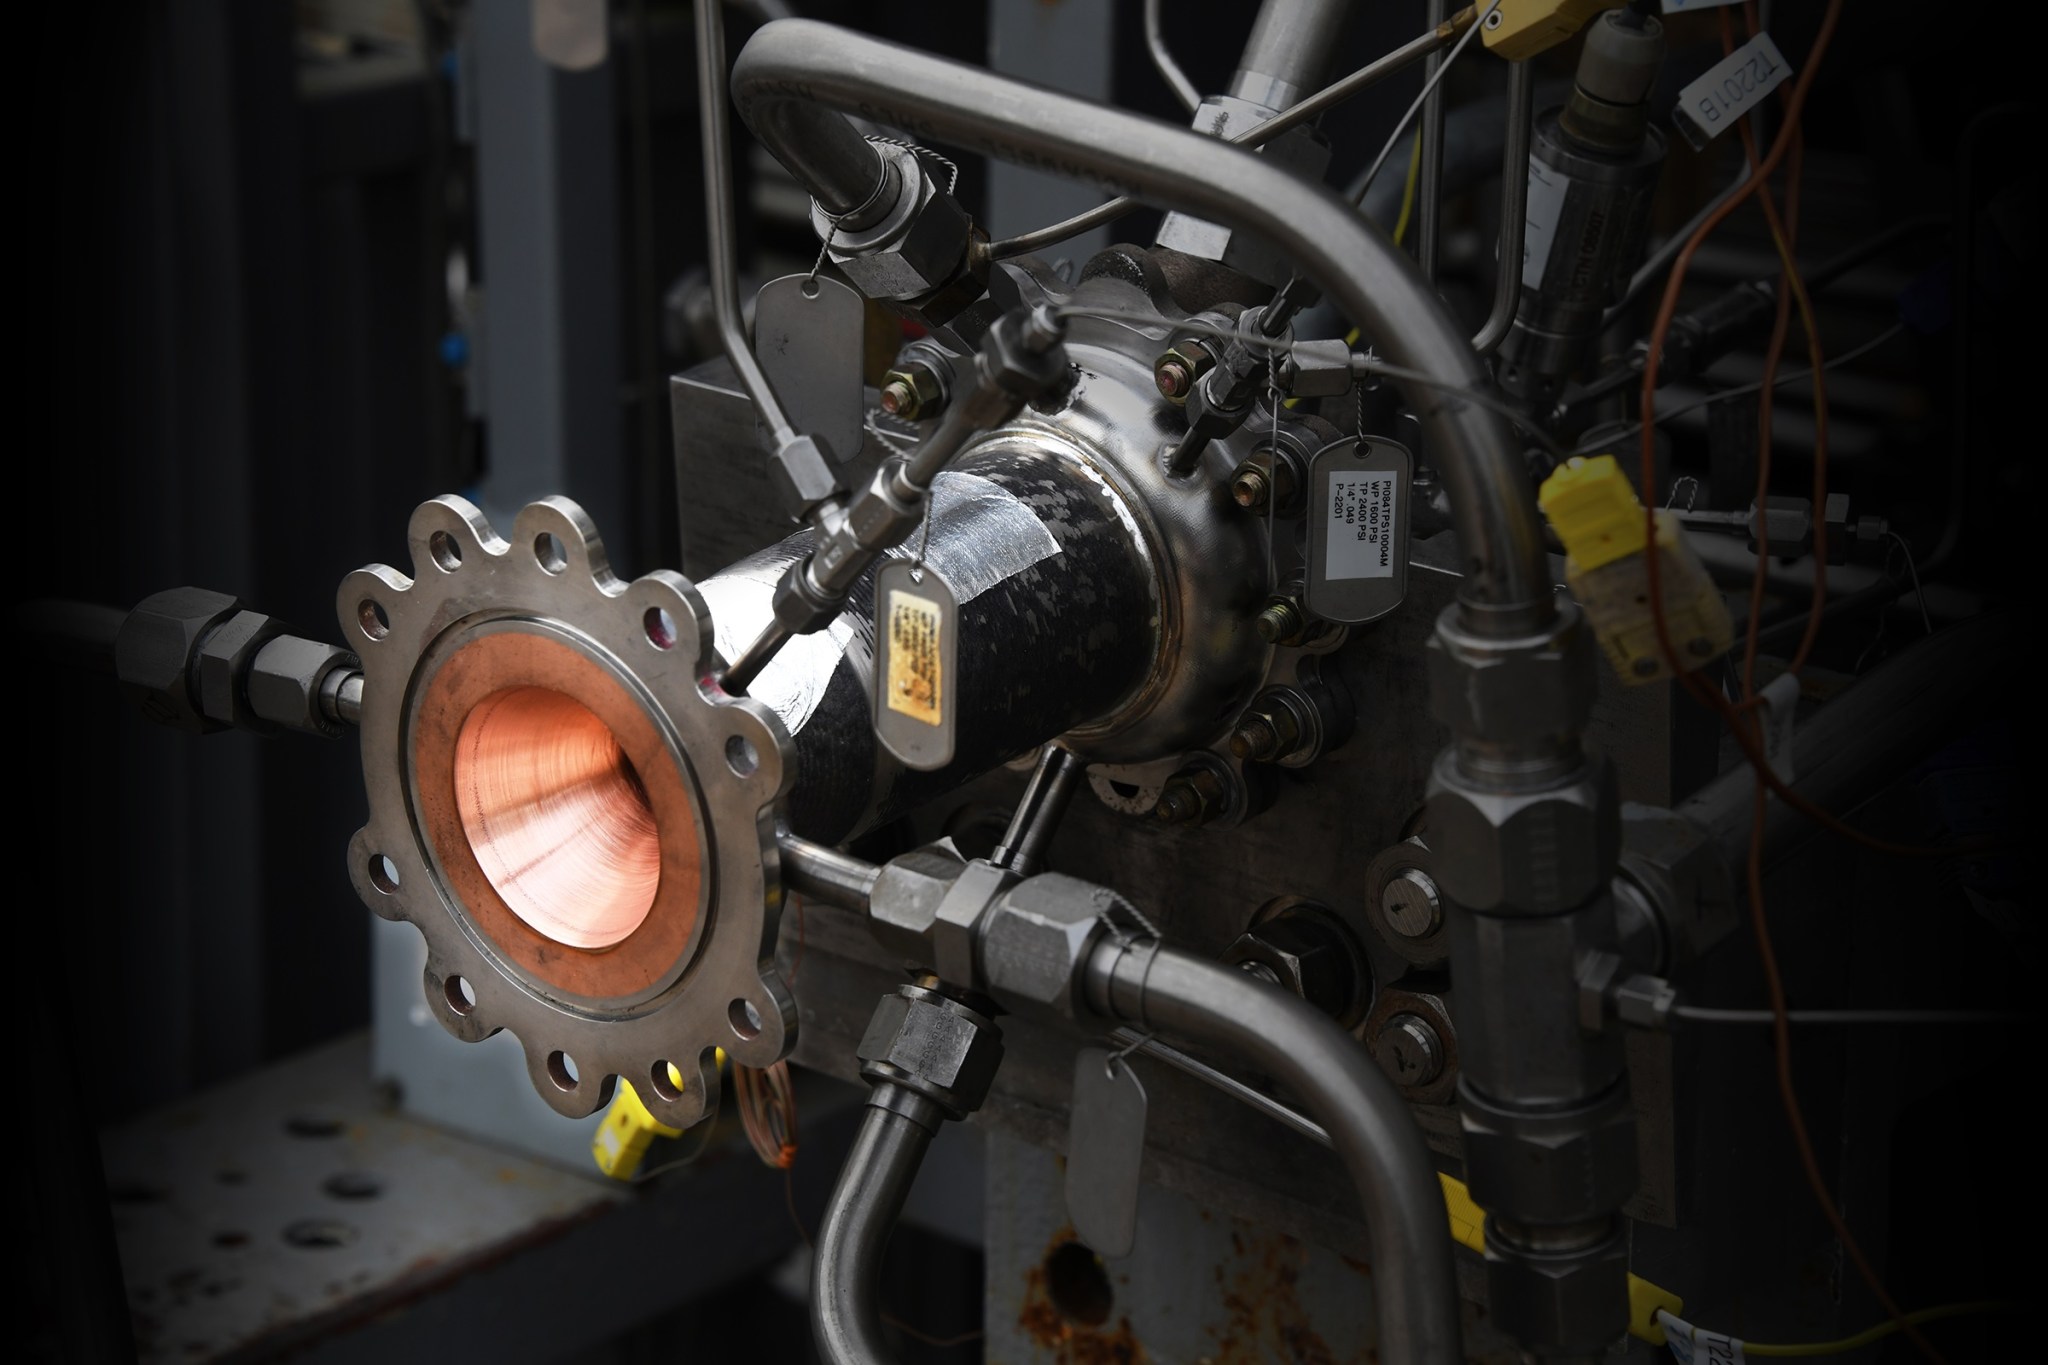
x,y
1038,934
1513,690
1023,354
1318,369
284,683
1684,878
904,904
1558,1304
937,1047
957,922
1533,852
223,663
1567,1166
917,391
154,654
914,248
1306,957
1180,369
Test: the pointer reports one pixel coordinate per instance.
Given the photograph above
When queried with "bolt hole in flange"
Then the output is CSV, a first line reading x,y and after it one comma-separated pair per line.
x,y
562,1070
549,553
352,1185
383,874
740,756
445,551
667,1080
745,1019
1078,1285
660,627
461,996
320,1234
370,615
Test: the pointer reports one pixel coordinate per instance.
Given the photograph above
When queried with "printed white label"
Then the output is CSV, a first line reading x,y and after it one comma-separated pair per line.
x,y
1548,187
1717,101
1361,530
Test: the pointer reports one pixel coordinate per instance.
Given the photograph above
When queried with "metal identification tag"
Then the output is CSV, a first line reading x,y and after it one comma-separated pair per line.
x,y
1357,566
1105,1147
917,646
808,335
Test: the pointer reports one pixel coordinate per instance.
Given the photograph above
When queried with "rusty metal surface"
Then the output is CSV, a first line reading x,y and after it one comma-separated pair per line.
x,y
1199,1288
291,1213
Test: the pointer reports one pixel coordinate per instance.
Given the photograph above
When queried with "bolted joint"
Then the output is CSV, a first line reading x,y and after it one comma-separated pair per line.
x,y
1528,852
157,648
1558,1296
1517,690
801,470
1195,795
223,667
1037,936
287,680
1282,622
1549,1166
1307,954
916,246
913,391
935,1046
1261,482
1180,369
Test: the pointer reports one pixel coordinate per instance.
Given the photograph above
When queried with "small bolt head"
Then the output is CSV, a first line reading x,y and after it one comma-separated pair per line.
x,y
1255,739
896,396
1280,622
1409,1050
1251,487
1410,904
1173,377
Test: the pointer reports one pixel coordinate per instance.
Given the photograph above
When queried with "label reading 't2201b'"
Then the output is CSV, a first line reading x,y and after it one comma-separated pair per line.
x,y
1717,101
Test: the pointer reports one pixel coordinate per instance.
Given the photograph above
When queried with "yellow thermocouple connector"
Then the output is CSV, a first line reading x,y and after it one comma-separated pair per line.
x,y
1594,511
1468,1229
1528,27
629,1129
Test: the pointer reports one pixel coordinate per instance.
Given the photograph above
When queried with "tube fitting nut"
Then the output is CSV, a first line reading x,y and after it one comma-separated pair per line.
x,y
1037,936
1549,1166
923,1041
1534,852
918,246
1513,690
1572,1302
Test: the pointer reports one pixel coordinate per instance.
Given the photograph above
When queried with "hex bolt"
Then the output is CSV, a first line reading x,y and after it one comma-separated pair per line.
x,y
1260,970
1251,487
1192,796
1180,369
1268,731
1282,622
912,392
898,399
1409,1050
1410,904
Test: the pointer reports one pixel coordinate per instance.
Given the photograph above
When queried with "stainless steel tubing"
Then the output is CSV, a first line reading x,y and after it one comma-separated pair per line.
x,y
825,874
1514,208
1859,742
1289,50
1039,811
1507,587
1257,135
846,1315
1414,1283
1162,60
718,214
1429,180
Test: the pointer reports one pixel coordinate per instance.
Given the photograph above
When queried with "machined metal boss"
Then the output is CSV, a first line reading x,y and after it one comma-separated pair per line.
x,y
578,820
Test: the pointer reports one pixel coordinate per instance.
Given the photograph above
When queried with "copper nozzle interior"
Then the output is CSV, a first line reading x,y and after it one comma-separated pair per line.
x,y
557,817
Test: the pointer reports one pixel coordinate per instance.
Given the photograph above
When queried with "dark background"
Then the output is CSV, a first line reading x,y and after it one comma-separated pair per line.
x,y
235,320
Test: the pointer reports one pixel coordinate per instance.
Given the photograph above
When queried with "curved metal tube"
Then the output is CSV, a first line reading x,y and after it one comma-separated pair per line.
x,y
1163,62
1289,50
1507,588
718,214
1514,208
846,1313
1414,1282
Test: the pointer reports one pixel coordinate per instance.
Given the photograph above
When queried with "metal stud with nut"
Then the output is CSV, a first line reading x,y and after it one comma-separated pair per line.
x,y
1180,368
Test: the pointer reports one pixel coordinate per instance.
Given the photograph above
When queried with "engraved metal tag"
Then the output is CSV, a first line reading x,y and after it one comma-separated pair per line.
x,y
808,334
1105,1148
1357,566
917,645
